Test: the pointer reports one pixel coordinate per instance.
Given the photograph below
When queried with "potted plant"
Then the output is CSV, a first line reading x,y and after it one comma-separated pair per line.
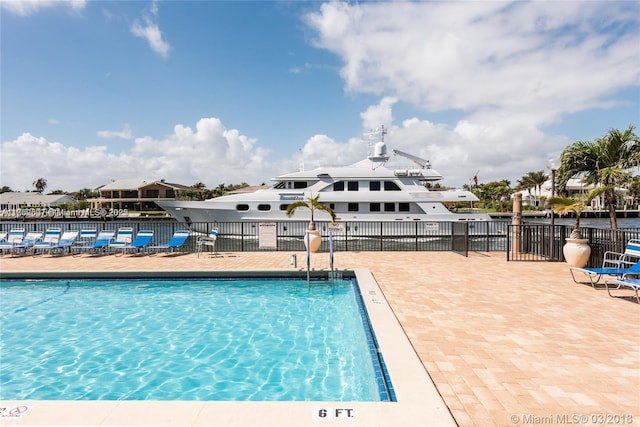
x,y
312,203
576,250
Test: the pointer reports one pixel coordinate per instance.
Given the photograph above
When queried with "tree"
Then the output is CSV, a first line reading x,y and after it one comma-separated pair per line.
x,y
605,161
495,192
564,205
5,189
313,204
524,183
85,193
533,180
634,189
40,184
538,178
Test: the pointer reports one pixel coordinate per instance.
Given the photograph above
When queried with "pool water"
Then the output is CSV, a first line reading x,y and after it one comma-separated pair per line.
x,y
193,339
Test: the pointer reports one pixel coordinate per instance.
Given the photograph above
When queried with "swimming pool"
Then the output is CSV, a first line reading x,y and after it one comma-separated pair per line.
x,y
188,339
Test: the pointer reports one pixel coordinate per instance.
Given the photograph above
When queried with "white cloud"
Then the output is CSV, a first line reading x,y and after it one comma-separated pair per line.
x,y
466,55
125,133
210,153
507,70
29,7
150,31
53,121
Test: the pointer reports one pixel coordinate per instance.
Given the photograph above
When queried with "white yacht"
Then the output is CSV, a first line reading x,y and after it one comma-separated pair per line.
x,y
367,191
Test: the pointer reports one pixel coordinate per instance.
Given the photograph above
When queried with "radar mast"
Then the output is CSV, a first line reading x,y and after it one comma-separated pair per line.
x,y
377,147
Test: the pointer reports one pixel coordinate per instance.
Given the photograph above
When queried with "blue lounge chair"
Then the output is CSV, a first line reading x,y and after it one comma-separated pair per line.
x,y
594,274
51,237
27,243
14,237
139,244
176,242
630,256
66,242
98,246
123,238
624,283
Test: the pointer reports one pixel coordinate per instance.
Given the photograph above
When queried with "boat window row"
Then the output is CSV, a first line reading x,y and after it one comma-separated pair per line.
x,y
351,207
296,185
373,185
342,185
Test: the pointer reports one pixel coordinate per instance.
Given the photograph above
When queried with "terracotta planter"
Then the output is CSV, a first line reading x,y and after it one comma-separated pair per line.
x,y
576,252
313,239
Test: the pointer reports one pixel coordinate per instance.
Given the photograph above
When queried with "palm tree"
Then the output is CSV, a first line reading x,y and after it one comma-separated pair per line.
x,y
40,184
564,205
525,183
538,178
605,161
313,204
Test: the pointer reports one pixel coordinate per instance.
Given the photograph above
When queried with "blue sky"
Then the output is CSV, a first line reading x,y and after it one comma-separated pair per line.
x,y
231,91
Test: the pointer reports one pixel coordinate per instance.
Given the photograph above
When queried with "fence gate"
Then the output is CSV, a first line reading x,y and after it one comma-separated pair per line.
x,y
460,238
535,242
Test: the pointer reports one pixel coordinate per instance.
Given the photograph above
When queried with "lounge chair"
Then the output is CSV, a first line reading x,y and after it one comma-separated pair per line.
x,y
27,243
66,242
123,238
3,236
630,256
624,283
207,241
139,244
51,237
594,274
98,246
176,242
14,237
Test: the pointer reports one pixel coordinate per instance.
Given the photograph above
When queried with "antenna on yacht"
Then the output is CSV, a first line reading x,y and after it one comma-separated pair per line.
x,y
418,160
377,146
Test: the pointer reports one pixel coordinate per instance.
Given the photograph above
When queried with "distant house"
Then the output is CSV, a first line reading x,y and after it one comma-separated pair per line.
x,y
135,194
12,200
576,186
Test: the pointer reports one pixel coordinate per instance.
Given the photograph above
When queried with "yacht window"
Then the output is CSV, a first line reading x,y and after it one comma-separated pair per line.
x,y
374,186
332,206
300,184
374,207
283,207
391,186
279,185
242,207
403,207
352,207
352,185
264,207
338,186
389,207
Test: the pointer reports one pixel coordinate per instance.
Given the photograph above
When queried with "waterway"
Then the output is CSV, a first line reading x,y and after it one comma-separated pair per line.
x,y
633,223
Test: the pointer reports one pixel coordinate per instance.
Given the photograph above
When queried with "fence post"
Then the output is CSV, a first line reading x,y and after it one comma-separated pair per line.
x,y
517,223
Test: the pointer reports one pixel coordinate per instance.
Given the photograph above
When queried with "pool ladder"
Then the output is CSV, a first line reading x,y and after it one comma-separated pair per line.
x,y
333,274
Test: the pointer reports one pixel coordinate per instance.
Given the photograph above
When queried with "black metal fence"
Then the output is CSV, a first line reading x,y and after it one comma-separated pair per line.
x,y
526,242
347,236
544,242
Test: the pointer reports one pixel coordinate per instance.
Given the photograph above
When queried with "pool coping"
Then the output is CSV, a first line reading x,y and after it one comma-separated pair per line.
x,y
418,401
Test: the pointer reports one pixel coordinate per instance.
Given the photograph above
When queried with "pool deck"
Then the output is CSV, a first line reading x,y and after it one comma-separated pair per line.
x,y
506,343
